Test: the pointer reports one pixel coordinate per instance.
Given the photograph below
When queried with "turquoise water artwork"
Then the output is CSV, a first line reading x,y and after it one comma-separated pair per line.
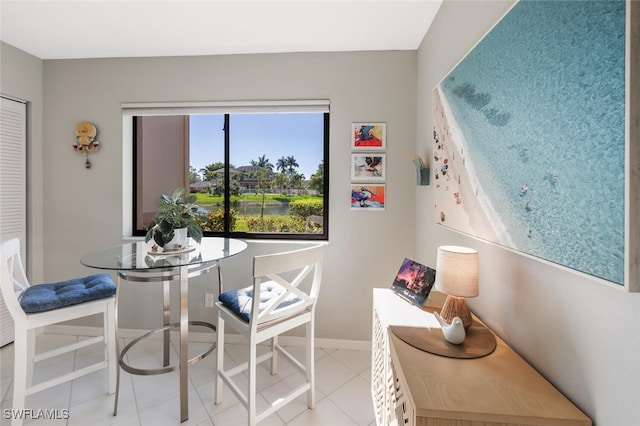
x,y
529,136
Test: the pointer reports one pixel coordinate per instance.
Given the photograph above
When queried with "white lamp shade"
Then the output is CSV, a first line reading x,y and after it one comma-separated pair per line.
x,y
457,271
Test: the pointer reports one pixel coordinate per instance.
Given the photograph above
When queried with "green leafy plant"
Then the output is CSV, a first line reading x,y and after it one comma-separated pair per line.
x,y
177,211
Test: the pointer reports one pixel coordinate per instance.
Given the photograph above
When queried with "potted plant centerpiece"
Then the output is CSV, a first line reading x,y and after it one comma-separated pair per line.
x,y
175,221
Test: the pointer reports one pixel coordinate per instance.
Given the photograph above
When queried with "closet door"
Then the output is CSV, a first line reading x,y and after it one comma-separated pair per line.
x,y
13,186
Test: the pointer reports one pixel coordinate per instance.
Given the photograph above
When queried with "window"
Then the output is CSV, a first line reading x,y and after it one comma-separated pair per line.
x,y
261,172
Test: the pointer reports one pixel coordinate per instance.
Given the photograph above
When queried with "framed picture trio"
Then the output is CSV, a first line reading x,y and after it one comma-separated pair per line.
x,y
368,166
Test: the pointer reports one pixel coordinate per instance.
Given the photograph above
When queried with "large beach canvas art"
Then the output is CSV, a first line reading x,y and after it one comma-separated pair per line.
x,y
529,136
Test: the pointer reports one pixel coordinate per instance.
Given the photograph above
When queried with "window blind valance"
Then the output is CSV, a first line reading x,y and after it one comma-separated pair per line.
x,y
230,107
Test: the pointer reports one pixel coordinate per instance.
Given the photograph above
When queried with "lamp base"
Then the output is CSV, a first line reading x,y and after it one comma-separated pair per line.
x,y
456,307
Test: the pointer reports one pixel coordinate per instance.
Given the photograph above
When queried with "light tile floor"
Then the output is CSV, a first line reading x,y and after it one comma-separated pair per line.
x,y
343,394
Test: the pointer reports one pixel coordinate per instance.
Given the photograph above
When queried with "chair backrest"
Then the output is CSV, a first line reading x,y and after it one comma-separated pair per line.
x,y
274,267
13,280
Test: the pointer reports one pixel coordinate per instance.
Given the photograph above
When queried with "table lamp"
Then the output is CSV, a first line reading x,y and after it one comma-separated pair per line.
x,y
457,277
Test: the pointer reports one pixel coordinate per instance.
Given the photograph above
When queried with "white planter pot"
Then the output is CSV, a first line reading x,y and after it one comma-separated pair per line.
x,y
180,240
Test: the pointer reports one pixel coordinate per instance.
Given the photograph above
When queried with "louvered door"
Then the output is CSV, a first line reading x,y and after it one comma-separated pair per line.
x,y
12,187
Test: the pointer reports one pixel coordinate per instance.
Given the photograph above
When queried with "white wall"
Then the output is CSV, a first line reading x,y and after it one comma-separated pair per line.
x,y
582,335
83,207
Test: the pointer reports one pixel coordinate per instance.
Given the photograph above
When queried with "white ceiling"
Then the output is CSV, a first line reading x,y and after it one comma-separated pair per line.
x,y
51,29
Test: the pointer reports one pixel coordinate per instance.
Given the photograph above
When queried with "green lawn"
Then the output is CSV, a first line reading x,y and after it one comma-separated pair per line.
x,y
208,199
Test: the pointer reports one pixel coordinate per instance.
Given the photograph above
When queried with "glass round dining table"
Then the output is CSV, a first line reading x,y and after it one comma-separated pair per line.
x,y
138,262
138,255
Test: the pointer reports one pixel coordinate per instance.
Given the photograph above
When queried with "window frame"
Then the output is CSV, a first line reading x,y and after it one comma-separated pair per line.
x,y
132,111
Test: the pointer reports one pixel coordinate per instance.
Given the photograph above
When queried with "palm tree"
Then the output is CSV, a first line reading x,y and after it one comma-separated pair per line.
x,y
282,164
292,164
263,161
297,180
210,170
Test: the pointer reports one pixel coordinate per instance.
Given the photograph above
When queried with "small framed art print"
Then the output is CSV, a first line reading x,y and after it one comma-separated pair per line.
x,y
368,167
370,136
368,197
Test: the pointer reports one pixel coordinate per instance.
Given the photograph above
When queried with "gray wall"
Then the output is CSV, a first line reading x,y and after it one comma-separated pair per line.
x,y
21,78
580,334
83,208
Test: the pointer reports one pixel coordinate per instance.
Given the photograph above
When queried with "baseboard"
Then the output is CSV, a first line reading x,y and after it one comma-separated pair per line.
x,y
197,336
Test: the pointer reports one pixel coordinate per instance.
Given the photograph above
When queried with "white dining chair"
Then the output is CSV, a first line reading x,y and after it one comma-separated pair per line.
x,y
34,306
264,310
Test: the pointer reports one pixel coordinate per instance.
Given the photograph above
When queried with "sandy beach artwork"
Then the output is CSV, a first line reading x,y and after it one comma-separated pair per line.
x,y
529,137
453,184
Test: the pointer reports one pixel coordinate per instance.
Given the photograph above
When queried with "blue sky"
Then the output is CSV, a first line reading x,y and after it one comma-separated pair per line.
x,y
252,135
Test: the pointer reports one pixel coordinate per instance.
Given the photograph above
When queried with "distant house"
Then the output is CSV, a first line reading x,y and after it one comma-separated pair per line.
x,y
200,186
245,176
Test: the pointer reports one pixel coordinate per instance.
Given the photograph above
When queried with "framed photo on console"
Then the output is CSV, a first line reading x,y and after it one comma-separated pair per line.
x,y
414,282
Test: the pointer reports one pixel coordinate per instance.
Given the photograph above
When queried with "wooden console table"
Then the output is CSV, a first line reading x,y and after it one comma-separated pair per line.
x,y
412,387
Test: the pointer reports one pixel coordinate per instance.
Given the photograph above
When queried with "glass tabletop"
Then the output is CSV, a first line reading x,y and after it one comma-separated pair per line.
x,y
138,255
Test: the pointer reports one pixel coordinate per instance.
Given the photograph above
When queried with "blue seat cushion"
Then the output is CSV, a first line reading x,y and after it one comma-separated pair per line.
x,y
240,301
45,297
